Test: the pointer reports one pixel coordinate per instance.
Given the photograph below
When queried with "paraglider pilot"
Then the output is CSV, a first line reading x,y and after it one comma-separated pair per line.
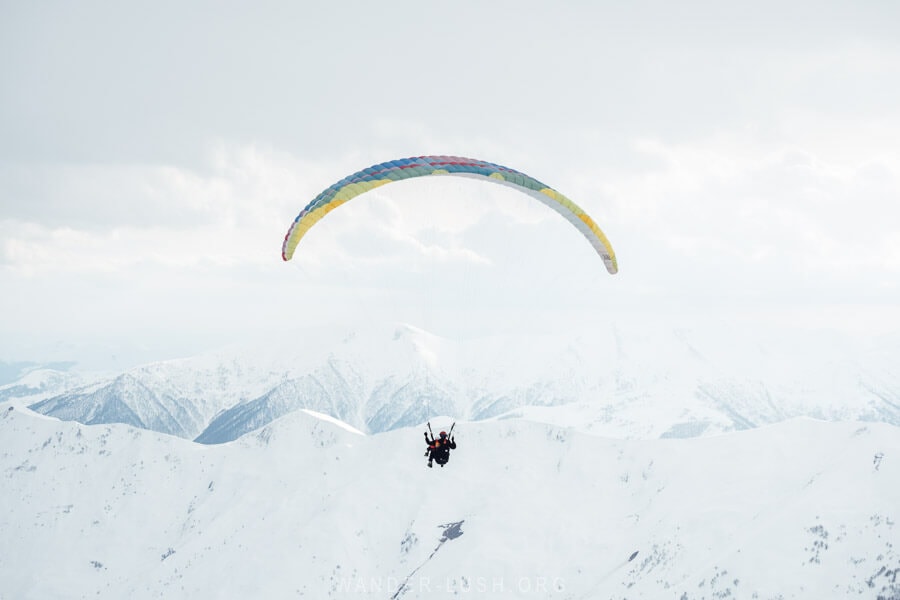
x,y
439,449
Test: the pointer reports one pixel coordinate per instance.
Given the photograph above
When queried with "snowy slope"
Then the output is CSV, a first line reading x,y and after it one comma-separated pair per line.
x,y
308,508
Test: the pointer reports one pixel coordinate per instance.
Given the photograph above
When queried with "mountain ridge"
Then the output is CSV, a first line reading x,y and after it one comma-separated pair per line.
x,y
614,380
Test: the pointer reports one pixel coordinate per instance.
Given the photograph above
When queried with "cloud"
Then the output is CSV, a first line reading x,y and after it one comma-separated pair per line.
x,y
734,198
739,159
84,217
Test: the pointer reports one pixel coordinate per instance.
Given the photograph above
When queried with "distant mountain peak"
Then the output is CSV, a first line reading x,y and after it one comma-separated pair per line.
x,y
614,379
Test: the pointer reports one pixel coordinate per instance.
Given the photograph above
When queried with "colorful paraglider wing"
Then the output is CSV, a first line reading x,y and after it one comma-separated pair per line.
x,y
406,168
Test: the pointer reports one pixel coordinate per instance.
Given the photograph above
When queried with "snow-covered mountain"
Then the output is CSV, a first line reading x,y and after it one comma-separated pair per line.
x,y
43,382
15,371
177,397
307,507
621,381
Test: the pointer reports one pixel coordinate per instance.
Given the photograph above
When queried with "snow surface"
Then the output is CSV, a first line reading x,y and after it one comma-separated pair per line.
x,y
304,508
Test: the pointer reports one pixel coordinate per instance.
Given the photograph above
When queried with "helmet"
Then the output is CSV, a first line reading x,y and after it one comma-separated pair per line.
x,y
443,434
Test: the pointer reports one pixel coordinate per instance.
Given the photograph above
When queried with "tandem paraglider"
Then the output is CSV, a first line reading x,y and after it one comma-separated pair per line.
x,y
439,448
420,166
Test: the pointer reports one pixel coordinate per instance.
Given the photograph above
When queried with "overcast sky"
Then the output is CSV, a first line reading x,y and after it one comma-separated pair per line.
x,y
742,158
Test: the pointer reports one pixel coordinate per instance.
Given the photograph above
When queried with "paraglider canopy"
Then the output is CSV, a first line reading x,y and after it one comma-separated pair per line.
x,y
419,166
